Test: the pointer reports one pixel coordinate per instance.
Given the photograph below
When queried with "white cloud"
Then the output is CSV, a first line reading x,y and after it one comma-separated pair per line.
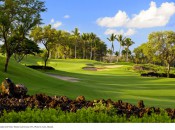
x,y
57,24
66,16
110,31
152,17
52,21
129,32
120,19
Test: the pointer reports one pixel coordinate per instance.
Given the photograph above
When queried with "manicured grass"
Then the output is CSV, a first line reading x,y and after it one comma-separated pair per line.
x,y
35,81
115,83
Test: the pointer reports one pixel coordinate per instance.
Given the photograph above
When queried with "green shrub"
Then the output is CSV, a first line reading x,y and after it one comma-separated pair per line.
x,y
81,116
144,68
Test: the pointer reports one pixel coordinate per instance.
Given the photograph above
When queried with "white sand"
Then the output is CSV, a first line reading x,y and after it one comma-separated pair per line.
x,y
70,79
113,66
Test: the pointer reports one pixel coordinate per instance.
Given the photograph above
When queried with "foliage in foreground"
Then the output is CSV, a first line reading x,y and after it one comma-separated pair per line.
x,y
81,116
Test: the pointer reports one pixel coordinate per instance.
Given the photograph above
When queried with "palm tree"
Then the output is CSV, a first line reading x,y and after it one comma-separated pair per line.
x,y
123,53
116,53
84,37
128,42
92,37
112,39
101,50
57,43
120,39
109,51
76,34
96,42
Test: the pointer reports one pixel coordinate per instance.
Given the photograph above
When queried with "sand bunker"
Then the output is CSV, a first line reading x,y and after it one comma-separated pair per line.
x,y
113,66
70,79
90,68
102,68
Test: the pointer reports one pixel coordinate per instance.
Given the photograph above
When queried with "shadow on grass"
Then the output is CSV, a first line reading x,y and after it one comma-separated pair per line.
x,y
119,81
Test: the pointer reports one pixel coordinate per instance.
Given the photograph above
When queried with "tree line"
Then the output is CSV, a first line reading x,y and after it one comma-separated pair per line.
x,y
20,32
62,44
160,50
124,42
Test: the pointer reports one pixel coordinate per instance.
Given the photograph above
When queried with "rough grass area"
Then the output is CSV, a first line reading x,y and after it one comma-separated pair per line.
x,y
115,83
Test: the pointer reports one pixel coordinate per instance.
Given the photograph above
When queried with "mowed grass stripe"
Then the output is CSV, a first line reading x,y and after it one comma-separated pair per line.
x,y
115,83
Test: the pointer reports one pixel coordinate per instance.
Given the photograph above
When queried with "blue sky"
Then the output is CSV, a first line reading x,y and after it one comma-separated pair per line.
x,y
134,19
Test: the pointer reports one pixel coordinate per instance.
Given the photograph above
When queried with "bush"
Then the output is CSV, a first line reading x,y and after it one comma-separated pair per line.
x,y
40,67
146,68
152,74
81,116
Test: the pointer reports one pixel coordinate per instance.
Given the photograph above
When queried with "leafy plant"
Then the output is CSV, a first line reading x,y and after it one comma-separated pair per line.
x,y
89,115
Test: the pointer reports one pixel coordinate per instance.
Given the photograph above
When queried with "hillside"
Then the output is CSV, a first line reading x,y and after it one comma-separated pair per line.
x,y
112,81
35,81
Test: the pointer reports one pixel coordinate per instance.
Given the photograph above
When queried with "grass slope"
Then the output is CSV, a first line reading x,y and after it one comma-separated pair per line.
x,y
35,81
114,83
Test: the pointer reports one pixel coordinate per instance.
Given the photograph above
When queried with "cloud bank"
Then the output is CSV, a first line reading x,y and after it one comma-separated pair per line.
x,y
152,17
129,32
120,19
55,24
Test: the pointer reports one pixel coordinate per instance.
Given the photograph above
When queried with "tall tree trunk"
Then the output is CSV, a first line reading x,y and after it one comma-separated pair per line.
x,y
50,54
7,52
168,70
117,58
95,52
70,52
46,59
84,48
120,50
45,63
91,52
7,62
111,53
75,52
119,53
127,56
84,53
